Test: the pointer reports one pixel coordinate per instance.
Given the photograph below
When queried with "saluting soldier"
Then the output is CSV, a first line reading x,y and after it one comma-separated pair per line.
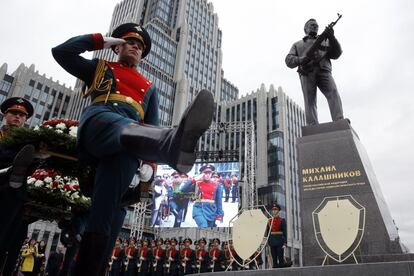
x,y
187,256
14,168
113,135
278,236
208,207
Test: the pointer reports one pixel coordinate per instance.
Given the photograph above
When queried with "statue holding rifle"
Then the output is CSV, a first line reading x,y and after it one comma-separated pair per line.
x,y
312,55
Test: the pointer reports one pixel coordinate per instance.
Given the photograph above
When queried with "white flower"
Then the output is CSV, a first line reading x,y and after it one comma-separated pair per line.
x,y
73,131
48,126
31,180
59,131
38,183
48,179
36,128
61,126
75,195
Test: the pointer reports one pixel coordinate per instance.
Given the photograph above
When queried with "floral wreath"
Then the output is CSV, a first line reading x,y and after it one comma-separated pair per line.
x,y
53,188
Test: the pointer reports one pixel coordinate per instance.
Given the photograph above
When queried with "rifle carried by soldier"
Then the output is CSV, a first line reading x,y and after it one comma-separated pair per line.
x,y
311,56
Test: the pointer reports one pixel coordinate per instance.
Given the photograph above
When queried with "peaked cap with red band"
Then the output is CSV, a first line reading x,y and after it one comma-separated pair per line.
x,y
135,31
17,104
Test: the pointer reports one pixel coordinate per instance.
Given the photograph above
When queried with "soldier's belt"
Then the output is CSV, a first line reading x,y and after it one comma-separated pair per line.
x,y
122,99
205,200
277,233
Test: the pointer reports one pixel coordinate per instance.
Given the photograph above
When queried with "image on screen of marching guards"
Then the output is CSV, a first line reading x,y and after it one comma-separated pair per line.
x,y
208,196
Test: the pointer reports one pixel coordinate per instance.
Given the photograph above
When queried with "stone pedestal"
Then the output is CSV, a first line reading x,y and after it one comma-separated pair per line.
x,y
344,216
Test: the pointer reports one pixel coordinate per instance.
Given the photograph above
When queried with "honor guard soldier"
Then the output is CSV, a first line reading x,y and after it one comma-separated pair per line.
x,y
131,257
172,258
114,266
234,188
208,206
216,256
179,196
114,134
278,237
202,257
187,256
158,254
14,168
227,187
144,259
13,164
229,257
123,256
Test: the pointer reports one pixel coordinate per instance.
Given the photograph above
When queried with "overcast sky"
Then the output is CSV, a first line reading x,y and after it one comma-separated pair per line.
x,y
374,75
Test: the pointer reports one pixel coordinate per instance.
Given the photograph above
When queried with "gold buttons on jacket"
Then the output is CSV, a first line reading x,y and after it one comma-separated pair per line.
x,y
117,80
142,90
128,100
117,92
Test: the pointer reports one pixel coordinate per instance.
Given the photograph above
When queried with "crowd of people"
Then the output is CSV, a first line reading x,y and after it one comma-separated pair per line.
x,y
207,191
172,257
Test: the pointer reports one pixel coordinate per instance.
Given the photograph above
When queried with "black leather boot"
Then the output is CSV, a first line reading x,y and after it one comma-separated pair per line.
x,y
91,254
173,146
21,164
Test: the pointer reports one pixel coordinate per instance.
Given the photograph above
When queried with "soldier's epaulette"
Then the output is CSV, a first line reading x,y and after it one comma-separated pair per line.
x,y
99,84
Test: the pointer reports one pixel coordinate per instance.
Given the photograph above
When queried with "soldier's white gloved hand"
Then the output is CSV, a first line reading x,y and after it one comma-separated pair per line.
x,y
112,41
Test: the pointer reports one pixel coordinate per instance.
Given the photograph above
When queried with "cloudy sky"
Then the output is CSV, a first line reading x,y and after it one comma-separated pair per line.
x,y
374,74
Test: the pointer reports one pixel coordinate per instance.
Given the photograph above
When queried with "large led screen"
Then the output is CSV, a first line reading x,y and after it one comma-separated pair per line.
x,y
208,196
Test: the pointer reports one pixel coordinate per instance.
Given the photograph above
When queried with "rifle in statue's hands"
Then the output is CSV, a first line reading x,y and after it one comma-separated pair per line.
x,y
308,59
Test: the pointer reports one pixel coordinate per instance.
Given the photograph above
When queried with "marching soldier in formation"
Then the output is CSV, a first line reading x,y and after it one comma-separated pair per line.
x,y
187,257
229,257
172,258
144,259
216,256
123,256
202,257
114,267
113,135
158,254
131,258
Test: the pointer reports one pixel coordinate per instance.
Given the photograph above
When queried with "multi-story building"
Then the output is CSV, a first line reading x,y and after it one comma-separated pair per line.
x,y
50,99
6,82
278,121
